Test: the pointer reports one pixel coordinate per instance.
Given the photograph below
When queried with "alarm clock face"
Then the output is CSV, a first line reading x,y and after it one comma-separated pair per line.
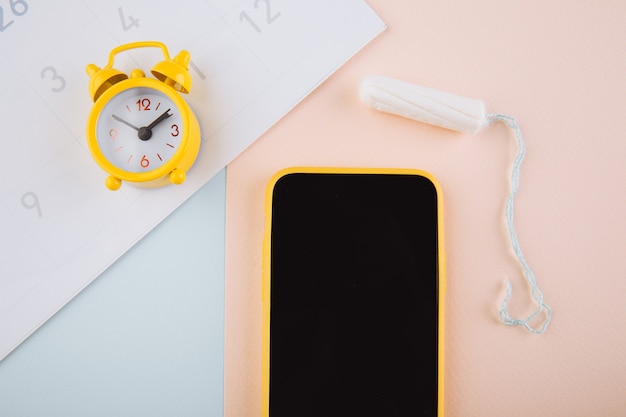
x,y
139,129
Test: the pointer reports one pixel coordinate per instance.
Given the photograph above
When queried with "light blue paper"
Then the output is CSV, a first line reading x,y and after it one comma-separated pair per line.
x,y
146,338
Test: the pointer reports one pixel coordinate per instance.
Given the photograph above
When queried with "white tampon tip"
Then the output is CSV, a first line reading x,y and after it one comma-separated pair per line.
x,y
423,104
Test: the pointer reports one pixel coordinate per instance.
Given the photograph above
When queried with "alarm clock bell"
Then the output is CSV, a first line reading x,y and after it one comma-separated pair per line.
x,y
173,72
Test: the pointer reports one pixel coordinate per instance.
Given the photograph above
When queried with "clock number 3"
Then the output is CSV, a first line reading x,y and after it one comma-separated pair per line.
x,y
30,201
55,77
269,16
18,8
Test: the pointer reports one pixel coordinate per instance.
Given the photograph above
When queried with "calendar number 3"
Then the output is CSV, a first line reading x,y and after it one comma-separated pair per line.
x,y
269,16
60,81
18,8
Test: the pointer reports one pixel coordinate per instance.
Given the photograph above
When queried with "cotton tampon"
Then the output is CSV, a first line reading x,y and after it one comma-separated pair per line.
x,y
423,104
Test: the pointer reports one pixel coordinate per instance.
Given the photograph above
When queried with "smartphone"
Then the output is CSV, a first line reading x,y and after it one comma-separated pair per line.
x,y
353,294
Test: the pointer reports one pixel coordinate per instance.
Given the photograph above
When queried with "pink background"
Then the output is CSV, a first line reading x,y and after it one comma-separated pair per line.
x,y
559,67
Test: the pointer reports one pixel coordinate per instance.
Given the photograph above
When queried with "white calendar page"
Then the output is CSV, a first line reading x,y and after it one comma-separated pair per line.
x,y
251,61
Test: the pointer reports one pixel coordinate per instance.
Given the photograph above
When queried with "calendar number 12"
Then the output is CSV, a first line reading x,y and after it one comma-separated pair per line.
x,y
269,16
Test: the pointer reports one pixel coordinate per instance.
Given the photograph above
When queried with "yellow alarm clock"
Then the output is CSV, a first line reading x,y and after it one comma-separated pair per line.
x,y
140,129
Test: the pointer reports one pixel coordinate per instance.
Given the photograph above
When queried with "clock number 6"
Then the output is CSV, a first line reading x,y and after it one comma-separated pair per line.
x,y
145,162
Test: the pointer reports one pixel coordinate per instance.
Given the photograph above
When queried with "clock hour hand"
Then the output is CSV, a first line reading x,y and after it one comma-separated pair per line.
x,y
159,119
145,132
119,119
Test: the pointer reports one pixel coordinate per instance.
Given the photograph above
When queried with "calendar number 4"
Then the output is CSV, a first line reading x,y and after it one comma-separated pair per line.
x,y
269,16
127,22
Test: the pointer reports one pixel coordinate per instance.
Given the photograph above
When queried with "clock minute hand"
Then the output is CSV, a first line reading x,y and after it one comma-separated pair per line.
x,y
119,119
145,132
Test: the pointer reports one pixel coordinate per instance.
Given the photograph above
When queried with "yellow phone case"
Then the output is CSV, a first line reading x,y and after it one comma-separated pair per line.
x,y
265,292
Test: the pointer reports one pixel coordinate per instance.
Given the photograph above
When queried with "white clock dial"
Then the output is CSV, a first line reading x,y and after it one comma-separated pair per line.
x,y
139,129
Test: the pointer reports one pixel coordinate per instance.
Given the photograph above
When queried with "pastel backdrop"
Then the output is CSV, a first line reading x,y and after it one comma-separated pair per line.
x,y
558,67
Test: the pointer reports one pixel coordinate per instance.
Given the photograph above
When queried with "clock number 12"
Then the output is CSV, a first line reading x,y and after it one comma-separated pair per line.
x,y
143,104
18,8
269,16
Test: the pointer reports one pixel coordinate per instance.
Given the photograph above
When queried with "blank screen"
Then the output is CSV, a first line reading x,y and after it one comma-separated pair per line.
x,y
353,316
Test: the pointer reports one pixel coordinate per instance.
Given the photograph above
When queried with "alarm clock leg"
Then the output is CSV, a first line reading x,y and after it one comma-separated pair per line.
x,y
113,183
177,176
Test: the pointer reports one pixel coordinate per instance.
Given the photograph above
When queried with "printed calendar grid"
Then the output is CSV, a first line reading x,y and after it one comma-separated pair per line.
x,y
252,61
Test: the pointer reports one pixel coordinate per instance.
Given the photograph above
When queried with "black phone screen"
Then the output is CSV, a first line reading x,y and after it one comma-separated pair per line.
x,y
354,302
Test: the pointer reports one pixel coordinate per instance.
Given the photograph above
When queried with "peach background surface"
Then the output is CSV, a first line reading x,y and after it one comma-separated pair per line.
x,y
559,67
